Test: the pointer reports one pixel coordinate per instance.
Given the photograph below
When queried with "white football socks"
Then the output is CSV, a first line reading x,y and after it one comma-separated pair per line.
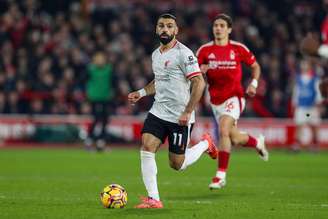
x,y
149,172
193,154
221,174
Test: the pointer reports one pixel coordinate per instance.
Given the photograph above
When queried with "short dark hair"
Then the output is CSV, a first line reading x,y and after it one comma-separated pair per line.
x,y
167,15
224,17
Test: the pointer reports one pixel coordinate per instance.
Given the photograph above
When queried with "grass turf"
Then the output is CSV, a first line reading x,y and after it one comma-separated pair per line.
x,y
65,183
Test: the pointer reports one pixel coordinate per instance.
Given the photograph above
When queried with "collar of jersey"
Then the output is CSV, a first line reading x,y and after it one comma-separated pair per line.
x,y
175,43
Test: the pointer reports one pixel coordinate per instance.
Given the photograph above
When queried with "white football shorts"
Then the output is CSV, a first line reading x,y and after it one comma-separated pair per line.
x,y
233,107
307,115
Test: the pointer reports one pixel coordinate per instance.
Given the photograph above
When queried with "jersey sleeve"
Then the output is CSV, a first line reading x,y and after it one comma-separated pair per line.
x,y
189,64
246,55
324,31
201,56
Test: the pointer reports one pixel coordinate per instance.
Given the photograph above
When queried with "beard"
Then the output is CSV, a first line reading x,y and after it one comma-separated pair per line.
x,y
165,38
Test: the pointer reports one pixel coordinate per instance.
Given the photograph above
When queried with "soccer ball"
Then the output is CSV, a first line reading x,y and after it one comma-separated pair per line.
x,y
114,196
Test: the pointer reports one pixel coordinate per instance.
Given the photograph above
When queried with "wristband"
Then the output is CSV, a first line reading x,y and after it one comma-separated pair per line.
x,y
323,51
254,83
142,92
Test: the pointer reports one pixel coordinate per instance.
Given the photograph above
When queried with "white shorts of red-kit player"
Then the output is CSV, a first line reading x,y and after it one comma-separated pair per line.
x,y
233,107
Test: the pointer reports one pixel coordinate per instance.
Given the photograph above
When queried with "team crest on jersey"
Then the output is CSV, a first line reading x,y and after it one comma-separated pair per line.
x,y
166,63
232,54
211,56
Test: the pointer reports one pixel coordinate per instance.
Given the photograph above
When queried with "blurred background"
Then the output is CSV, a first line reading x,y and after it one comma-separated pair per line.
x,y
46,48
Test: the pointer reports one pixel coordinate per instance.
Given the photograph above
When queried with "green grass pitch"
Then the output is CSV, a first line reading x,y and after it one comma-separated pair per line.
x,y
65,183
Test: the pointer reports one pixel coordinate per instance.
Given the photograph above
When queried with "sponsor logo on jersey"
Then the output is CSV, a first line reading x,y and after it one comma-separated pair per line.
x,y
232,54
226,64
211,56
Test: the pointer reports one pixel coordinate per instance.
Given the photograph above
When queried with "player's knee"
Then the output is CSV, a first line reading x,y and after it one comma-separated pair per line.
x,y
148,147
234,140
224,132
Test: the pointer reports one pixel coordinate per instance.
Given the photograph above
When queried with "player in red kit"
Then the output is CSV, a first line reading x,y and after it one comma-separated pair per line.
x,y
221,61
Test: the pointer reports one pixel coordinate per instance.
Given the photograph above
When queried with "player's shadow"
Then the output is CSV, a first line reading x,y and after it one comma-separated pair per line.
x,y
214,195
146,212
198,197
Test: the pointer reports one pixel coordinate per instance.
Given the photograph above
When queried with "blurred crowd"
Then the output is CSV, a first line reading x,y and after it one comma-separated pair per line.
x,y
46,45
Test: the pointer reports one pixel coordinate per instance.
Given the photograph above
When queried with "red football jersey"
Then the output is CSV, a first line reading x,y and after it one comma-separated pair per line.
x,y
224,74
324,31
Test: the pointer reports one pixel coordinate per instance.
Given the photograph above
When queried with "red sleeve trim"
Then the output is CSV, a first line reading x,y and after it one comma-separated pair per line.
x,y
252,62
193,74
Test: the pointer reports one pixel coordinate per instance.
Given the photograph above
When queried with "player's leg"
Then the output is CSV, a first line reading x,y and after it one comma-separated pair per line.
x,y
178,138
225,126
237,137
300,120
296,147
314,121
152,137
246,140
91,133
314,141
227,114
180,155
103,117
150,144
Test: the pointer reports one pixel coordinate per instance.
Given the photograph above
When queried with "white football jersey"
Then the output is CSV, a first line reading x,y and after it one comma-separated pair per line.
x,y
172,70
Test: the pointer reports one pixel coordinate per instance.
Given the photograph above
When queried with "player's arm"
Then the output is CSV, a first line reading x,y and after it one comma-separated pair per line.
x,y
135,96
203,68
256,72
197,89
203,65
150,88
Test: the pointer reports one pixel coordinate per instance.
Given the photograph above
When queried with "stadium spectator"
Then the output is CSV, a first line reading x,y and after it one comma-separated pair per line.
x,y
70,32
306,101
99,92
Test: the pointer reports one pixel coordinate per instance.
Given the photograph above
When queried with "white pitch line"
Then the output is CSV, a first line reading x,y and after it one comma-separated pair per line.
x,y
307,205
190,202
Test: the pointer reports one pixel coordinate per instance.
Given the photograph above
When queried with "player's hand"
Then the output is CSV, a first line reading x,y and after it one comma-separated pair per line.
x,y
133,97
184,119
204,68
251,90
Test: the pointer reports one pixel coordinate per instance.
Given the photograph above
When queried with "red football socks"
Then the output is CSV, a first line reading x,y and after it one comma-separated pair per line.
x,y
223,160
251,143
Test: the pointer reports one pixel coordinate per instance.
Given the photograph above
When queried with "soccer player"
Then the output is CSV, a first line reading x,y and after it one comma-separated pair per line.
x,y
221,61
178,86
306,100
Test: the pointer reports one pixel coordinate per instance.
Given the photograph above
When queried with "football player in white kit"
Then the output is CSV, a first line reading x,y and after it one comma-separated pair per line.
x,y
178,86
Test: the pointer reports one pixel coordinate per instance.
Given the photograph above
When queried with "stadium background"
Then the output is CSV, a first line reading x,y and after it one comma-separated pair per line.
x,y
46,45
44,49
